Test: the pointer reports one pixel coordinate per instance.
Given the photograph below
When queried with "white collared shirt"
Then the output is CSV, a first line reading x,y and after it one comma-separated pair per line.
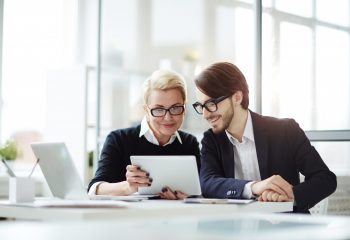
x,y
246,159
149,135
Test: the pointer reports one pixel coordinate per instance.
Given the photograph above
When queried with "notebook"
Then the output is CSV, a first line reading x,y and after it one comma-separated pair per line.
x,y
177,172
62,176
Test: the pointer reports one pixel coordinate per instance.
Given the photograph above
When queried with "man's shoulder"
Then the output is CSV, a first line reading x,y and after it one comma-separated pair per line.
x,y
209,135
270,121
187,137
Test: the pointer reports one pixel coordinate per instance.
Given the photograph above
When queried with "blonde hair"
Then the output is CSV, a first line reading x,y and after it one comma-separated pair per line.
x,y
164,80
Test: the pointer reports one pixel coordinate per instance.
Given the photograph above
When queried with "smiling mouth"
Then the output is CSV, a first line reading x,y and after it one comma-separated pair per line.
x,y
168,125
212,120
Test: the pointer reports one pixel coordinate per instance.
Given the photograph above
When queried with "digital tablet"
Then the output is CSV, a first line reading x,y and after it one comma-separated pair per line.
x,y
179,173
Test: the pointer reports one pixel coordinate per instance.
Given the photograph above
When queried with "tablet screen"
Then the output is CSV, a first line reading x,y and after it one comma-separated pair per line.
x,y
177,172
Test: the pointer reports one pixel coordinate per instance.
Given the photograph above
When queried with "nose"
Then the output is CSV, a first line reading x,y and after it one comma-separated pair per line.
x,y
167,115
206,113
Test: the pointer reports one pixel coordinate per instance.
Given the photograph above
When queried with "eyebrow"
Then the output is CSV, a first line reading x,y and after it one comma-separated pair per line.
x,y
174,105
209,100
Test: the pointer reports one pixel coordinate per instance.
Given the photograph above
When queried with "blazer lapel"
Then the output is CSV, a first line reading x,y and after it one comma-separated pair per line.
x,y
261,144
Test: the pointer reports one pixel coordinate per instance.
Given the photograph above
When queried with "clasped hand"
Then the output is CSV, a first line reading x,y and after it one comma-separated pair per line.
x,y
273,189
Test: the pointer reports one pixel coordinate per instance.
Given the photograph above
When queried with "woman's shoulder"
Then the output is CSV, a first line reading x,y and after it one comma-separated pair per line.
x,y
125,133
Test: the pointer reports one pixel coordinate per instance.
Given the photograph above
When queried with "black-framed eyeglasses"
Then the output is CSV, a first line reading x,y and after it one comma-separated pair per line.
x,y
211,105
161,112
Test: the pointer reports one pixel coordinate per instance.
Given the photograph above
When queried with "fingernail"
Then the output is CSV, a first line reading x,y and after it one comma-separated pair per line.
x,y
138,168
149,184
151,179
147,174
175,192
164,189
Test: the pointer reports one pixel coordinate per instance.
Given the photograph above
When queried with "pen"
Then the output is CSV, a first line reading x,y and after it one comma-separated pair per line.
x,y
9,170
30,174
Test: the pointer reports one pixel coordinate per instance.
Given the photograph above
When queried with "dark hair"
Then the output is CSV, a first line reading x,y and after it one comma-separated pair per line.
x,y
223,79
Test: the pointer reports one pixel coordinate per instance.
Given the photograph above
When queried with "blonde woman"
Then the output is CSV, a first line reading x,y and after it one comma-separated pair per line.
x,y
164,98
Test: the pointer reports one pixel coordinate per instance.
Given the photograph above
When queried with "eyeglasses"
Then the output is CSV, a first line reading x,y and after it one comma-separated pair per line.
x,y
210,105
161,112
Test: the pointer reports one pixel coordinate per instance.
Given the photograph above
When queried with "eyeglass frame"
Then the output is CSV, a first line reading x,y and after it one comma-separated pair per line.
x,y
216,101
167,110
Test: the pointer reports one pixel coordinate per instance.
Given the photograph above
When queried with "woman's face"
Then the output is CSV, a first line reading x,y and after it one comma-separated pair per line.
x,y
165,126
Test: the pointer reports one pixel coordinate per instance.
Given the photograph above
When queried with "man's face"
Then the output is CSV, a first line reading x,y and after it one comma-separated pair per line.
x,y
220,119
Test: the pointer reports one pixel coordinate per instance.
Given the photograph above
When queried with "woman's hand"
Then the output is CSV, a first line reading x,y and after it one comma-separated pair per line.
x,y
168,194
135,178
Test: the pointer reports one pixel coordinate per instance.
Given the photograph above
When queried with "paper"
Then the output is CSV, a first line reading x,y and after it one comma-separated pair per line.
x,y
217,201
75,204
130,198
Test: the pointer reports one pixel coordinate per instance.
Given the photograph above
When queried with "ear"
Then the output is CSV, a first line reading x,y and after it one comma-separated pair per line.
x,y
237,98
145,109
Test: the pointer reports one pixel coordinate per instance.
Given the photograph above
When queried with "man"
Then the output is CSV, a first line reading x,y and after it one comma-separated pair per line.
x,y
247,155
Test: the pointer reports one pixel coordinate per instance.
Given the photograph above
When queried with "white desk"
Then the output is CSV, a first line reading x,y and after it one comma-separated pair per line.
x,y
139,210
228,226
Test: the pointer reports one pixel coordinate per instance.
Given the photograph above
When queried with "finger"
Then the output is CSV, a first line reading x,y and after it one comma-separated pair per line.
x,y
283,198
264,195
162,196
138,173
133,168
168,193
180,195
139,180
275,197
269,196
276,188
283,184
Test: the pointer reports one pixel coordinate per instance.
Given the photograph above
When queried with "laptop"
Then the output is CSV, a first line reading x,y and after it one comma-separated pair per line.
x,y
62,176
177,172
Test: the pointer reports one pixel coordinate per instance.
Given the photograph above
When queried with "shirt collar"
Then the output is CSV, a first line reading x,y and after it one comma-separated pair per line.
x,y
248,131
149,135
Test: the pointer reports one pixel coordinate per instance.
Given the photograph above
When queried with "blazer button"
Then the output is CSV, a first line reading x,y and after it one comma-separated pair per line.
x,y
229,192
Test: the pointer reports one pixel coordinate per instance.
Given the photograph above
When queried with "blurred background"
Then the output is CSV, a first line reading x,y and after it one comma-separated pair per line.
x,y
72,70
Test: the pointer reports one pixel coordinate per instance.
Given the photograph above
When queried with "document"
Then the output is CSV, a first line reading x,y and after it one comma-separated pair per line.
x,y
217,201
75,204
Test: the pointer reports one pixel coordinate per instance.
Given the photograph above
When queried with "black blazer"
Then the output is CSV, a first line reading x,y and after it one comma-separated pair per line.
x,y
282,149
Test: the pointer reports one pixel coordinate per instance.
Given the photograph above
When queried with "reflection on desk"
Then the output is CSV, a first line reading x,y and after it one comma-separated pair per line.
x,y
227,226
142,209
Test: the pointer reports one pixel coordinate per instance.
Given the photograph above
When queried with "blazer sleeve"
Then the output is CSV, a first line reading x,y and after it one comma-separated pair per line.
x,y
319,182
215,182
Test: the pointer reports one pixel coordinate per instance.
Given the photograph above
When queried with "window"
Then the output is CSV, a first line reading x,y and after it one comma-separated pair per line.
x,y
306,71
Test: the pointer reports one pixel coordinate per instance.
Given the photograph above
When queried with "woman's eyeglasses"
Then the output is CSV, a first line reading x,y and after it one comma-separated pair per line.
x,y
161,112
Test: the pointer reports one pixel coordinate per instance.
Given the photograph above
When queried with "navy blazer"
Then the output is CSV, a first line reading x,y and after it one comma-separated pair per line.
x,y
282,149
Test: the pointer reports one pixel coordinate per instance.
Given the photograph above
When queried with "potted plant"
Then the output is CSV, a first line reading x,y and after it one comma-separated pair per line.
x,y
9,151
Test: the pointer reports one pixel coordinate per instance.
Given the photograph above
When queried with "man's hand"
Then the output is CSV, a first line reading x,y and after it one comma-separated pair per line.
x,y
271,196
275,184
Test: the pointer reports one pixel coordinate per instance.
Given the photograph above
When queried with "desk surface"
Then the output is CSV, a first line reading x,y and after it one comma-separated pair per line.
x,y
227,226
138,210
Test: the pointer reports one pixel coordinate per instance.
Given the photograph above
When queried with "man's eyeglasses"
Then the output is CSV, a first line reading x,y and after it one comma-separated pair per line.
x,y
210,105
161,112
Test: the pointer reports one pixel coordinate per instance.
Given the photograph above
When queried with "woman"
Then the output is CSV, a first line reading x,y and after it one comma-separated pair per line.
x,y
158,134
